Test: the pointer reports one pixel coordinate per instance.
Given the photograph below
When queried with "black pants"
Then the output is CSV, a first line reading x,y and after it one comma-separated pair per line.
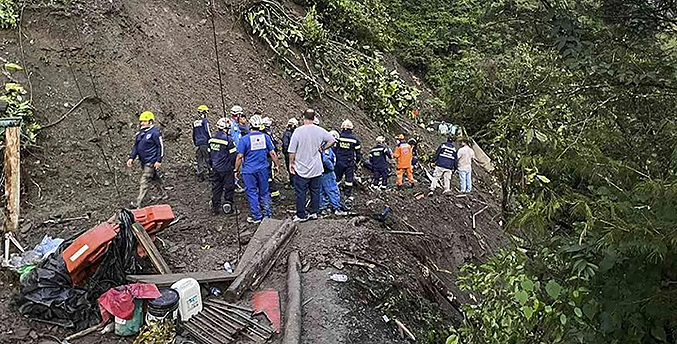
x,y
286,163
223,185
348,171
381,177
202,157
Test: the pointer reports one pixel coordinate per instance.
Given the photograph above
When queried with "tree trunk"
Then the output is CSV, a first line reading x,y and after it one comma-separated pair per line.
x,y
293,325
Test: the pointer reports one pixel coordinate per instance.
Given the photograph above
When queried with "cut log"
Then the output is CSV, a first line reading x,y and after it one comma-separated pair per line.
x,y
257,266
260,237
169,279
292,328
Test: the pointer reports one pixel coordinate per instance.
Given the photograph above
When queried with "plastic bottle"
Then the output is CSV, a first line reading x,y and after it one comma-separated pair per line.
x,y
339,278
227,267
215,291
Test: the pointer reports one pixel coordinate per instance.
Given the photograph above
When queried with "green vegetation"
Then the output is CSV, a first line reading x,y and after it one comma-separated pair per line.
x,y
18,105
307,51
9,14
575,102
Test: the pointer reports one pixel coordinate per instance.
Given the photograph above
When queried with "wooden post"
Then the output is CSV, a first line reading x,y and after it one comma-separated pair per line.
x,y
12,181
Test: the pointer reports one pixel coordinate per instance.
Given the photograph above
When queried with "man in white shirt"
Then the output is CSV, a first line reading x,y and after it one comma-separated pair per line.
x,y
307,143
465,157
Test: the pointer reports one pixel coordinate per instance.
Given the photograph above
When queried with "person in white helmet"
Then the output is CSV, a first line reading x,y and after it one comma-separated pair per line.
x,y
330,196
252,164
379,158
292,123
235,132
222,155
348,154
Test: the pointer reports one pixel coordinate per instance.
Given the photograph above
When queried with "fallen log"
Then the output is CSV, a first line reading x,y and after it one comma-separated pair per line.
x,y
169,279
292,328
257,266
152,251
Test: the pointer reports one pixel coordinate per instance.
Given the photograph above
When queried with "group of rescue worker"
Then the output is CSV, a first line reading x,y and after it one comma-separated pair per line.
x,y
243,153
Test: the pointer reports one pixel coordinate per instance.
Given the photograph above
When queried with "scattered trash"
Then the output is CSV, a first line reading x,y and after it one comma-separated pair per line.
x,y
227,267
305,268
385,318
36,255
420,196
205,247
382,217
47,246
156,332
339,278
215,291
268,303
337,264
131,326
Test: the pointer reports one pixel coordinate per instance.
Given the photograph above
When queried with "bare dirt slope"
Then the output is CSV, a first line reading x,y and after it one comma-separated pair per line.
x,y
159,55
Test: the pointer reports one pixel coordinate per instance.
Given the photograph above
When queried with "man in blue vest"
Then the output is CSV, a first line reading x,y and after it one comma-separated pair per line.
x,y
149,148
445,164
252,164
222,155
201,136
330,196
348,153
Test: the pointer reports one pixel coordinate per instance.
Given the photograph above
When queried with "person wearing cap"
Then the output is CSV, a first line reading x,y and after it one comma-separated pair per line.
x,y
379,157
292,123
445,160
201,136
222,155
148,147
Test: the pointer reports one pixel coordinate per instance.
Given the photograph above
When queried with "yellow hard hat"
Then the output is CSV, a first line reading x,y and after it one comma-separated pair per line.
x,y
146,116
202,108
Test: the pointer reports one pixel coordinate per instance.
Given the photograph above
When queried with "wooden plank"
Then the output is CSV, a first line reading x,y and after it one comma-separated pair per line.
x,y
257,265
147,243
169,279
12,178
267,227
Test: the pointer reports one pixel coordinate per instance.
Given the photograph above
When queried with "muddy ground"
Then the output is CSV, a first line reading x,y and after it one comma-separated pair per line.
x,y
159,55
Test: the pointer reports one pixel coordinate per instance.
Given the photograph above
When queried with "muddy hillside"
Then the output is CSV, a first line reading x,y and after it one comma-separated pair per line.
x,y
129,56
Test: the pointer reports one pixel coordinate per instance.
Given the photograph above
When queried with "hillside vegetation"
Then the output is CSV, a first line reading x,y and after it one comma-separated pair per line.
x,y
575,101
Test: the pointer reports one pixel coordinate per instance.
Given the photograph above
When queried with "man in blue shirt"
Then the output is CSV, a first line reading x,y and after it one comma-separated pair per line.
x,y
235,132
330,197
201,136
252,164
149,148
446,163
222,155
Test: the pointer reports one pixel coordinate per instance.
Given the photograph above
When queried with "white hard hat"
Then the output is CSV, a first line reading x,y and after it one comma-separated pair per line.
x,y
236,110
334,133
380,139
293,121
256,121
223,123
267,121
316,121
347,124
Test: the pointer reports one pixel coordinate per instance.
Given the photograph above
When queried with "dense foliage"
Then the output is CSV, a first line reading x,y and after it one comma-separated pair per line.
x,y
575,103
309,52
19,104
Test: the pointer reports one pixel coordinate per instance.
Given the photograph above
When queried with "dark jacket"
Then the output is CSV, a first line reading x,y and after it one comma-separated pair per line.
x,y
222,152
445,156
201,133
286,139
348,148
148,146
378,157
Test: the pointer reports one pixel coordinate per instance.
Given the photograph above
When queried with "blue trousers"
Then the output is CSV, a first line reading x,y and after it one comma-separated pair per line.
x,y
329,192
381,177
258,195
466,180
301,186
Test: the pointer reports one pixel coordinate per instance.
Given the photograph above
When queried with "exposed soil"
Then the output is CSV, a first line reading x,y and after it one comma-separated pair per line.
x,y
159,55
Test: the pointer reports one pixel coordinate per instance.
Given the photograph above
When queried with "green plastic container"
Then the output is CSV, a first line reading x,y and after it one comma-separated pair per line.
x,y
132,326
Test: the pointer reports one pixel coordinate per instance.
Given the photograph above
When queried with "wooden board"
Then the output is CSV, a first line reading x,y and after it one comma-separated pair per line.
x,y
12,178
169,279
152,251
267,227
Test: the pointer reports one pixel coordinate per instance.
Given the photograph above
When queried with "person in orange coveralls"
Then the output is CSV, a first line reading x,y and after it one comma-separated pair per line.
x,y
404,154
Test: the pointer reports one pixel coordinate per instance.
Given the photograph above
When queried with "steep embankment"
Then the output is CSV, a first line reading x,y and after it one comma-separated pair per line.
x,y
159,55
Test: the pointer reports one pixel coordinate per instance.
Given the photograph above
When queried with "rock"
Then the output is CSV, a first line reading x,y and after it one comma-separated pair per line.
x,y
26,226
337,264
305,268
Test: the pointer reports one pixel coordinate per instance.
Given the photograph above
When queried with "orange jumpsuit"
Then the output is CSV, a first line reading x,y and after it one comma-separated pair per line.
x,y
404,154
